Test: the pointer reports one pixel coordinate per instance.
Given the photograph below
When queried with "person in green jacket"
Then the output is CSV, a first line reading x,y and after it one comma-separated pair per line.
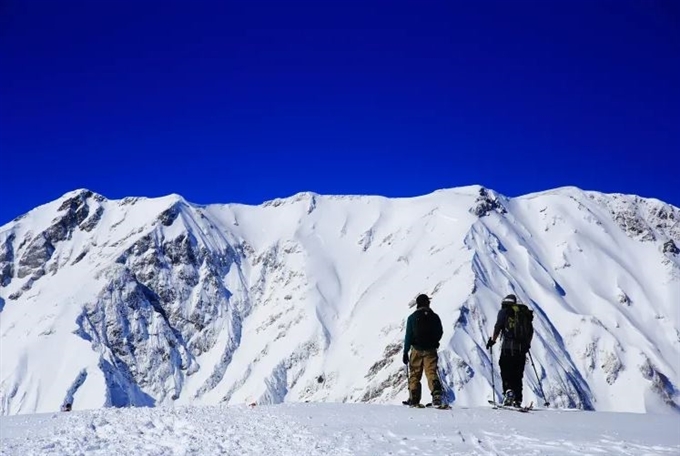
x,y
423,333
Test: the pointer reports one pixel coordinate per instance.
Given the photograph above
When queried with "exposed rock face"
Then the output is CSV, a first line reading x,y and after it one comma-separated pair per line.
x,y
129,320
645,220
486,203
35,251
670,247
72,215
35,256
661,384
163,306
7,260
169,216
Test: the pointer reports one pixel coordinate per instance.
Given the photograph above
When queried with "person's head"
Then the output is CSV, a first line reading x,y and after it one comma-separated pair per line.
x,y
510,299
422,301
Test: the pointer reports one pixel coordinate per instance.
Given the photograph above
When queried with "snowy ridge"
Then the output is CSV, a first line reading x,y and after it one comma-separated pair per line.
x,y
157,301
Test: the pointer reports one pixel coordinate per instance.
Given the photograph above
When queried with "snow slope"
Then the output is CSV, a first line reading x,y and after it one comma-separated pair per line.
x,y
337,429
159,301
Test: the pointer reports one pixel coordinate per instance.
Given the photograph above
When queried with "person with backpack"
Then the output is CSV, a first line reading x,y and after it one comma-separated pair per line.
x,y
515,322
423,333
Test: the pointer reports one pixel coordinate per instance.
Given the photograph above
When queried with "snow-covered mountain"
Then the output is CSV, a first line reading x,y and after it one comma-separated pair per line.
x,y
157,301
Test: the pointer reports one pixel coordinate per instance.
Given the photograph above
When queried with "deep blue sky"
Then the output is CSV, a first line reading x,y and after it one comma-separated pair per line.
x,y
248,101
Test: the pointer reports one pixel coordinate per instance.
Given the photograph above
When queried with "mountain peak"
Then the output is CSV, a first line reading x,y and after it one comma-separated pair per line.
x,y
82,193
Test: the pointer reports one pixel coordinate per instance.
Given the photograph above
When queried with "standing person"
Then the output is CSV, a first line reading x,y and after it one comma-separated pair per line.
x,y
515,322
423,333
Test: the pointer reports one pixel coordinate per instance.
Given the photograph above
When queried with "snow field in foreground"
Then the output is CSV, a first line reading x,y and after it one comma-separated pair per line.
x,y
337,429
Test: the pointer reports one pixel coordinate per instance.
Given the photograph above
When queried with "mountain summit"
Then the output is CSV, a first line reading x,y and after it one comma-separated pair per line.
x,y
151,301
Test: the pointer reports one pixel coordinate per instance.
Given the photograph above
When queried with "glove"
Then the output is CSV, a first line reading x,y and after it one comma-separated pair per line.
x,y
490,343
405,358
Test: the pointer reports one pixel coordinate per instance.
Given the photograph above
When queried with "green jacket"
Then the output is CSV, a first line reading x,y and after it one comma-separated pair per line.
x,y
434,336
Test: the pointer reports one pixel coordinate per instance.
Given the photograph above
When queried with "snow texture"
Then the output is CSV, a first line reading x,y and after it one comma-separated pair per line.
x,y
337,429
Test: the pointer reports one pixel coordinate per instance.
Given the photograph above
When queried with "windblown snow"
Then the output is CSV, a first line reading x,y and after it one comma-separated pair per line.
x,y
161,302
331,429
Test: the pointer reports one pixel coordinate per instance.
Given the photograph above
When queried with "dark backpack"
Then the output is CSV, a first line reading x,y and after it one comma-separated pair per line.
x,y
519,326
426,329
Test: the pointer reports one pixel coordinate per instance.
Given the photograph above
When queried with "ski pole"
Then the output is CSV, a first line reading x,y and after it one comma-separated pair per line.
x,y
408,389
540,386
493,384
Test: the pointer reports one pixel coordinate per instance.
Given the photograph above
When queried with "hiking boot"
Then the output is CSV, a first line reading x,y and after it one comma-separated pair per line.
x,y
415,395
509,397
517,404
436,402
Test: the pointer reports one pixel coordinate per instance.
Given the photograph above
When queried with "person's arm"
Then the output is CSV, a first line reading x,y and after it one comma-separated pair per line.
x,y
409,335
439,329
500,324
498,327
531,337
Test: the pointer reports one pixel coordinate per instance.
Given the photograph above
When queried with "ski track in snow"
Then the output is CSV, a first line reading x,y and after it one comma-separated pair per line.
x,y
337,429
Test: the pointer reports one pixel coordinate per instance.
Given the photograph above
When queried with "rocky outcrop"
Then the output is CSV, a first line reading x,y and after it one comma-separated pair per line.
x,y
169,215
643,219
486,203
35,256
659,383
164,305
670,247
128,322
74,213
7,260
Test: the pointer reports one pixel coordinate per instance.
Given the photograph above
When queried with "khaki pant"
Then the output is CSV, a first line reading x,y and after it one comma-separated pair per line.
x,y
419,361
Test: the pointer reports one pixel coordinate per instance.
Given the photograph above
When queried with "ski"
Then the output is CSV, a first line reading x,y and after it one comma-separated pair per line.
x,y
524,409
439,407
406,403
428,405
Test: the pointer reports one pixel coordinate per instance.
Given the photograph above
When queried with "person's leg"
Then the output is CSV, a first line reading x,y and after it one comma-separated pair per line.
x,y
415,374
506,365
430,359
518,362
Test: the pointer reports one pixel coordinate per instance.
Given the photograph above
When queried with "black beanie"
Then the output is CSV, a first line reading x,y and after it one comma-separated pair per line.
x,y
510,299
422,301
